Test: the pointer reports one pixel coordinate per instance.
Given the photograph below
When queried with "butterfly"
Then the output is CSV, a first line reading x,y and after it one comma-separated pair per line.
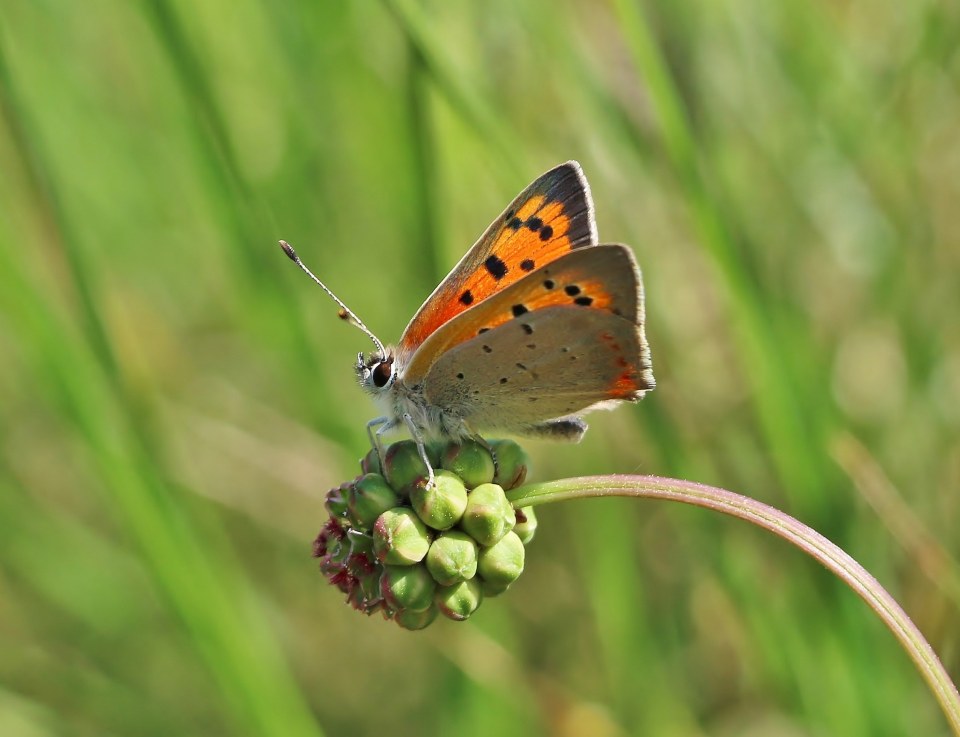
x,y
536,325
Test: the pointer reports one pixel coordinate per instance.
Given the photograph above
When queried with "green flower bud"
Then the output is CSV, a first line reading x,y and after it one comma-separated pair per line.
x,y
336,500
491,590
489,516
331,566
435,450
452,558
470,461
512,463
441,506
399,537
370,497
408,588
460,600
416,620
403,467
331,547
365,595
526,526
502,564
370,463
361,560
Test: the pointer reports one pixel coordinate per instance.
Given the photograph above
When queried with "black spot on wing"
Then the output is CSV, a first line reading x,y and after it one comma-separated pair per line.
x,y
533,374
584,301
496,267
528,329
518,310
467,297
534,224
546,233
527,264
572,289
549,284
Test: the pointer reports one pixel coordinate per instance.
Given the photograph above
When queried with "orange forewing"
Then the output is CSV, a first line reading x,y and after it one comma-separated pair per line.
x,y
553,216
601,278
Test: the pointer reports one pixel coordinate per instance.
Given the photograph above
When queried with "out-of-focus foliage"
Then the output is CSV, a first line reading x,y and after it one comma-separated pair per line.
x,y
175,399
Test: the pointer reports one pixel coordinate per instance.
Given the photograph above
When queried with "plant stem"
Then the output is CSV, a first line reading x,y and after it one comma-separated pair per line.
x,y
779,523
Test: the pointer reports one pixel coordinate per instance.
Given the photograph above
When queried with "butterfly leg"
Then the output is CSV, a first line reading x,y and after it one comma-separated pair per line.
x,y
382,424
421,448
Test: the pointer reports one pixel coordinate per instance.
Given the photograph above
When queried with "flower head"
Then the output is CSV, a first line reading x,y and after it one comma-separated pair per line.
x,y
395,545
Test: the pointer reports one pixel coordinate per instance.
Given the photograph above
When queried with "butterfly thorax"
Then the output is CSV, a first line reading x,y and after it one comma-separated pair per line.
x,y
382,377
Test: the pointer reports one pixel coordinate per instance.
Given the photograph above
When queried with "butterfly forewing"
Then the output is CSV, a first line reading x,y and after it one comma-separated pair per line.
x,y
550,363
551,217
603,278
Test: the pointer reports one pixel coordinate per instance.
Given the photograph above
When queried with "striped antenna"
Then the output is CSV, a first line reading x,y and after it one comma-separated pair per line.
x,y
345,313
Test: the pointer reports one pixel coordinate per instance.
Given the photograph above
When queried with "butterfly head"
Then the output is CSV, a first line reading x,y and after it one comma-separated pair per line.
x,y
376,372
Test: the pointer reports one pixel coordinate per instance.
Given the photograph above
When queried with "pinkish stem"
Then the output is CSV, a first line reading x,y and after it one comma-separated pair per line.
x,y
790,529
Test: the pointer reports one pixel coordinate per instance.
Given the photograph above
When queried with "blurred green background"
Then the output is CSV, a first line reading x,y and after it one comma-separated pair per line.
x,y
175,398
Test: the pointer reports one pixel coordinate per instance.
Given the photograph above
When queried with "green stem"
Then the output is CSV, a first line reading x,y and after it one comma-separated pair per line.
x,y
775,521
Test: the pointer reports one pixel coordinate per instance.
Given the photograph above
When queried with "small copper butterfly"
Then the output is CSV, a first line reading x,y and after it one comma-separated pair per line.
x,y
536,325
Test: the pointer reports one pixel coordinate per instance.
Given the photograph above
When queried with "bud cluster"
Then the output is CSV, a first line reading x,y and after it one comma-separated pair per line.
x,y
395,545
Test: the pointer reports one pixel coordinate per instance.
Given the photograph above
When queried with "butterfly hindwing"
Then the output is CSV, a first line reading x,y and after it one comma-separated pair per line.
x,y
550,363
551,217
602,278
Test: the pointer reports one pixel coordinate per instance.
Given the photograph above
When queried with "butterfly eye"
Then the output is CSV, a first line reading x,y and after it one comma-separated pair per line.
x,y
382,372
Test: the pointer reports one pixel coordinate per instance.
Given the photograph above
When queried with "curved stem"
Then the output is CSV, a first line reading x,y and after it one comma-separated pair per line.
x,y
790,529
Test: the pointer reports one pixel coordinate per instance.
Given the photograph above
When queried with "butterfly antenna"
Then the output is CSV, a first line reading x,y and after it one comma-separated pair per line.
x,y
345,312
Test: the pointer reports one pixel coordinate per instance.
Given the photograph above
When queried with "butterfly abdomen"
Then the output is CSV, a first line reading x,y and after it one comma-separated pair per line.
x,y
569,429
